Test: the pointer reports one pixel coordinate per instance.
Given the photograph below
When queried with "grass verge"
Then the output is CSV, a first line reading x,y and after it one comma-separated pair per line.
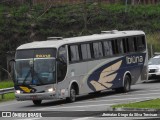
x,y
6,84
153,104
7,97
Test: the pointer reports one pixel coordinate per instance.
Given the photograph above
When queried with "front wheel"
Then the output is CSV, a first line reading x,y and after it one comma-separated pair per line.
x,y
127,85
37,102
72,97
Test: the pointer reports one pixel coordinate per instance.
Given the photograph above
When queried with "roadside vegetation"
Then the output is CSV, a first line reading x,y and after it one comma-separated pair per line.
x,y
6,84
7,97
150,104
22,23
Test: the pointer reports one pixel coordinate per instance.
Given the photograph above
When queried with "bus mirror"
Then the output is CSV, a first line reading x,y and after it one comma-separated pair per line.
x,y
12,60
11,69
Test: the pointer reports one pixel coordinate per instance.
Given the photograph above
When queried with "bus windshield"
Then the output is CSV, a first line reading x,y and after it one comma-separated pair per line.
x,y
39,70
36,72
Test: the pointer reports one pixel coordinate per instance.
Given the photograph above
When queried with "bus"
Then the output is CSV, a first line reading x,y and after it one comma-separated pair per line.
x,y
63,68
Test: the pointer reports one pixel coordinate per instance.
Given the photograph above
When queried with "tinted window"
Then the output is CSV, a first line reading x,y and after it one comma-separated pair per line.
x,y
62,54
86,52
74,53
131,44
120,46
107,48
140,43
115,46
62,64
125,45
97,48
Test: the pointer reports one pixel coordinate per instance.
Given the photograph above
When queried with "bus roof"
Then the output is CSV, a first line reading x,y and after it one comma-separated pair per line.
x,y
52,43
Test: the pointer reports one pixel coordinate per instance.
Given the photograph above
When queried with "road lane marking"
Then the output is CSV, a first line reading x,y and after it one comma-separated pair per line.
x,y
72,107
114,96
28,119
117,99
85,118
125,95
17,102
49,108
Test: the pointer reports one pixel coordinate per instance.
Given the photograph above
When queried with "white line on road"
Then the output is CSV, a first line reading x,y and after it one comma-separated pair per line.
x,y
29,119
85,118
125,95
17,102
85,106
119,95
72,107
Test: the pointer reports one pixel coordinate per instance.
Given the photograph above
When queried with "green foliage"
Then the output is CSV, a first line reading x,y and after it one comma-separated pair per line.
x,y
9,96
21,24
154,104
6,84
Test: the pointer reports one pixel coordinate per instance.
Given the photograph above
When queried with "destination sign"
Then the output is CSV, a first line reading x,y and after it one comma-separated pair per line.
x,y
43,55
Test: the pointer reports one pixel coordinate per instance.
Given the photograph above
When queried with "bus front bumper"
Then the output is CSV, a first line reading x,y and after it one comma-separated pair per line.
x,y
35,96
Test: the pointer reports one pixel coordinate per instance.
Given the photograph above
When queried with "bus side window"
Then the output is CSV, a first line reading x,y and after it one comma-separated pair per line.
x,y
74,53
97,48
61,63
141,43
131,44
86,52
115,47
120,46
135,43
125,45
107,48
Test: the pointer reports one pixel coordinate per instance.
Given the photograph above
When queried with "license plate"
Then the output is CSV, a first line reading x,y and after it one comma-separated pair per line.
x,y
33,97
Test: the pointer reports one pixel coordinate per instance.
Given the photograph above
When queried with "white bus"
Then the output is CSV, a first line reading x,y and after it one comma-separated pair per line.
x,y
62,68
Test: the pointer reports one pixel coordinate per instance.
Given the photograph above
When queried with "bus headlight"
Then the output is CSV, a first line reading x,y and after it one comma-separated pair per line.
x,y
51,90
18,91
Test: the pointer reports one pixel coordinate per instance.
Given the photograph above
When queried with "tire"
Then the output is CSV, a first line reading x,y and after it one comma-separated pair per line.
x,y
72,97
37,102
126,87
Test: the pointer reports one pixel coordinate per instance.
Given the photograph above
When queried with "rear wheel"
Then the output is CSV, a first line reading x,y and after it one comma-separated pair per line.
x,y
37,102
72,97
127,85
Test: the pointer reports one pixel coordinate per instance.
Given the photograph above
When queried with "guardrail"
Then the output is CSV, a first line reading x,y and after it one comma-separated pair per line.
x,y
5,91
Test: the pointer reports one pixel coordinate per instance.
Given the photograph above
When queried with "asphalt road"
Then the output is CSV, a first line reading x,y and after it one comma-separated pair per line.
x,y
80,110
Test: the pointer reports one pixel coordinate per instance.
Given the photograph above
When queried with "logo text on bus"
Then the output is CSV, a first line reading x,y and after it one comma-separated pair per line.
x,y
134,59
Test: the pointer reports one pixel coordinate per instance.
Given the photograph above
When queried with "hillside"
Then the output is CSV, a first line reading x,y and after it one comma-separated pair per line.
x,y
21,24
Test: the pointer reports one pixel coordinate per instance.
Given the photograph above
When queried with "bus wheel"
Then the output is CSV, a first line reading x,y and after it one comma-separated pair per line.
x,y
37,102
72,97
127,85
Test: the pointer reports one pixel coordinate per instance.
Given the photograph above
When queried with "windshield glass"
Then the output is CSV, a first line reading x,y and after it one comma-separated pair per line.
x,y
23,71
154,61
35,67
44,71
36,72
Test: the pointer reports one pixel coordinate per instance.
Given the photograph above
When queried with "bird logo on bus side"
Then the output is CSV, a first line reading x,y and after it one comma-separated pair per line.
x,y
106,77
